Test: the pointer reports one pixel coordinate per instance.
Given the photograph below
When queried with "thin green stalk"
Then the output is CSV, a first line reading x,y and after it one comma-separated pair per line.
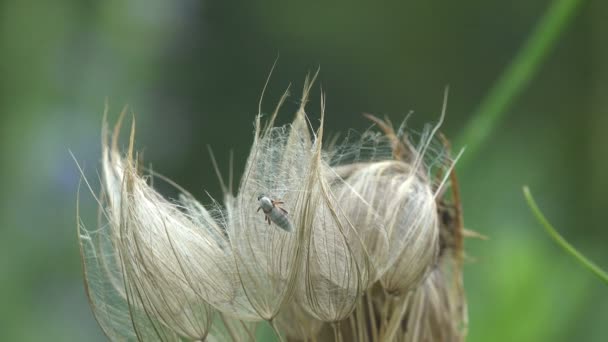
x,y
560,240
516,76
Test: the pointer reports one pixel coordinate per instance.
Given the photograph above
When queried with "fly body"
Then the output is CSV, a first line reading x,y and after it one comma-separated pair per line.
x,y
274,213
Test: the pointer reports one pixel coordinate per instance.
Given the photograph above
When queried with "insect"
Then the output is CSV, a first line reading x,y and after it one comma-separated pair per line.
x,y
274,213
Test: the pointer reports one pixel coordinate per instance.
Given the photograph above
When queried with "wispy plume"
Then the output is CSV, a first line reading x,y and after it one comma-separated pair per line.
x,y
326,241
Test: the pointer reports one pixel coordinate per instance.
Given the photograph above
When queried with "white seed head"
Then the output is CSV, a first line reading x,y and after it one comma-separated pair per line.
x,y
406,204
308,240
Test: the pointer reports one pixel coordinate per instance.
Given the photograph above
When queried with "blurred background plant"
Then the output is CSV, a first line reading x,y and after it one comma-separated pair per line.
x,y
193,72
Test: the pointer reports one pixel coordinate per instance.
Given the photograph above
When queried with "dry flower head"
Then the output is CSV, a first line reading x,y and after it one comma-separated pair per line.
x,y
369,258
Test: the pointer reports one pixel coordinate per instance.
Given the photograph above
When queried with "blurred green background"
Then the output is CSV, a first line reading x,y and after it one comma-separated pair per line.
x,y
192,71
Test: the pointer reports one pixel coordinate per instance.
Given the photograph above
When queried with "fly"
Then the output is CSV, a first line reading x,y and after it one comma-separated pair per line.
x,y
274,213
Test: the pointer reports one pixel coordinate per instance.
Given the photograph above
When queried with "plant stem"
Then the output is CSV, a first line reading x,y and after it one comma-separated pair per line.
x,y
516,76
560,240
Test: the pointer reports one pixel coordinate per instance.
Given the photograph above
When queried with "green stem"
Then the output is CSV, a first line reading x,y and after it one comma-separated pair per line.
x,y
560,240
516,77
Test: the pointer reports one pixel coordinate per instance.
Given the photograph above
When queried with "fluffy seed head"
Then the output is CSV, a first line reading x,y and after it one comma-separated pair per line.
x,y
357,230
